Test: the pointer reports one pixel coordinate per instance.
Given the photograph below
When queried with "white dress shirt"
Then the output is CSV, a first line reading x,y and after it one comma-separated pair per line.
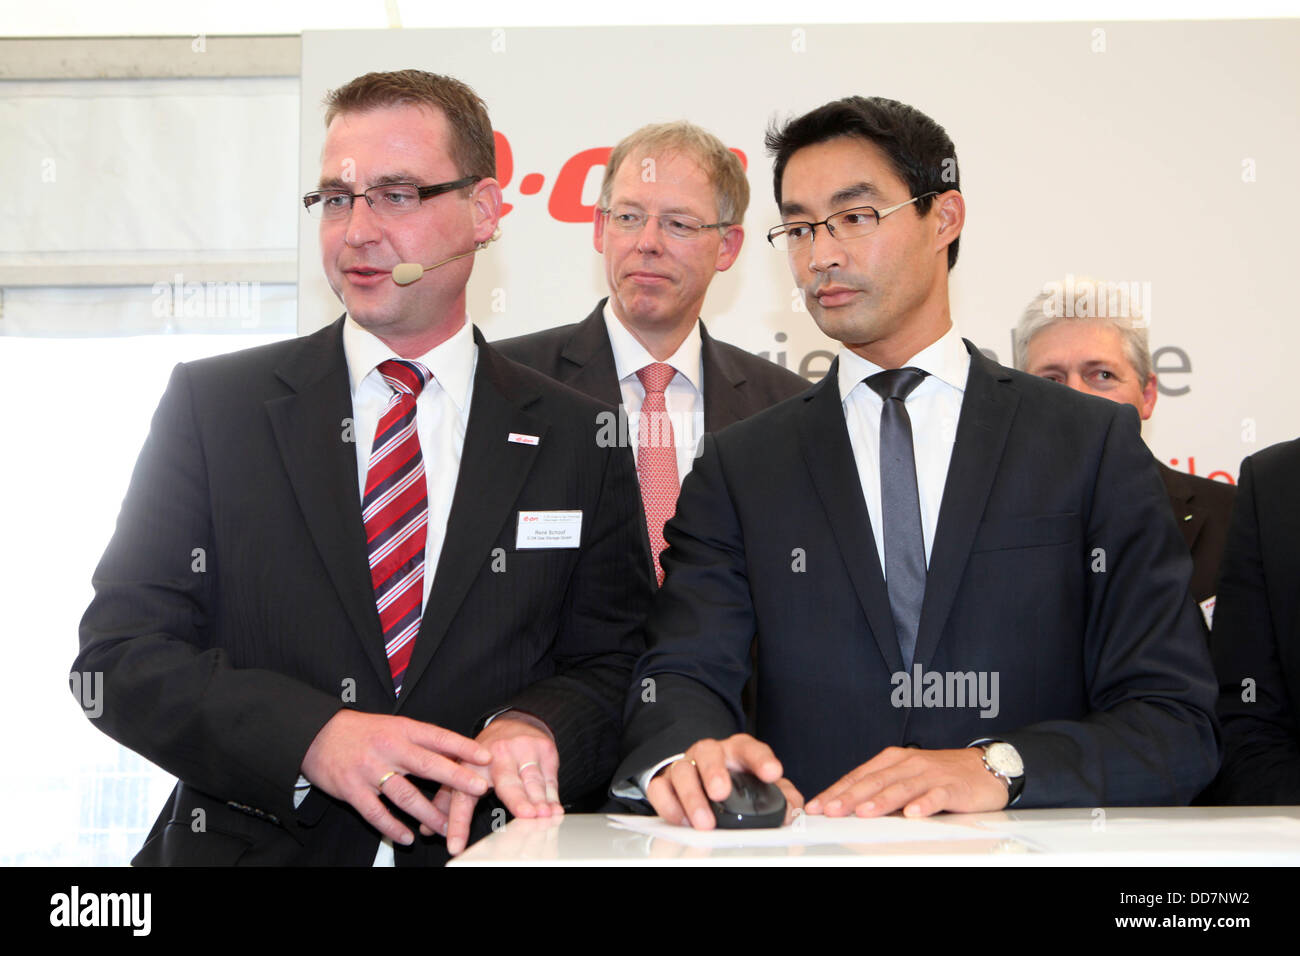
x,y
684,396
933,407
441,414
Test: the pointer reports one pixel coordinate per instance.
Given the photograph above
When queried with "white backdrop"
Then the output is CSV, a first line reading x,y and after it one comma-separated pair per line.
x,y
1156,153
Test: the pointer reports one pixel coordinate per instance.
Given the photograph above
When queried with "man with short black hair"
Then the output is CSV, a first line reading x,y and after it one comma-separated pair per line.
x,y
922,528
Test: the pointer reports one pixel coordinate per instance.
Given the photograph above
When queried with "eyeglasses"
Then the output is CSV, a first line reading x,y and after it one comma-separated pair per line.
x,y
389,199
674,226
849,224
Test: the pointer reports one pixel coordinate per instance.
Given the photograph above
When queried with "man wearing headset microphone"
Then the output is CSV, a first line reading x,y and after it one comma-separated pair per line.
x,y
421,577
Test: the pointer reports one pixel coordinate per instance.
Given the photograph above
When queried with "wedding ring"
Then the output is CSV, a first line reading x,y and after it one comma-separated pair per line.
x,y
525,766
384,779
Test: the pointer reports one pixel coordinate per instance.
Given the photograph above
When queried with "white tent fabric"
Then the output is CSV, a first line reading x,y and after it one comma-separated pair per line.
x,y
136,181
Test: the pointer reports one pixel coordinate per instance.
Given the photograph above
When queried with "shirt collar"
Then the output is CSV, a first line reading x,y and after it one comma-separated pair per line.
x,y
631,356
452,362
946,359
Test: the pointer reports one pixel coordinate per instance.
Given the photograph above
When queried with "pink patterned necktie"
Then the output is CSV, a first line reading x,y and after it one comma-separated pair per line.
x,y
395,509
656,458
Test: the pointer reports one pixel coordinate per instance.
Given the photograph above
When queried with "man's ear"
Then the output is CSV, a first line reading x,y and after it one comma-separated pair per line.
x,y
598,237
733,237
486,206
1149,395
951,209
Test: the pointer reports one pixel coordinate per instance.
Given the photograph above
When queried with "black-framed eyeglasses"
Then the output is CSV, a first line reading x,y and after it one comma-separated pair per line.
x,y
388,199
847,224
627,219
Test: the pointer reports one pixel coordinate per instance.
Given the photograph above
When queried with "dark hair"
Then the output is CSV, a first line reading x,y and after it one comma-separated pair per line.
x,y
917,147
473,146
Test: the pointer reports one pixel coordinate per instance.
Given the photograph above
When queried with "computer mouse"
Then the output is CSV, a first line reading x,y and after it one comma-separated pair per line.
x,y
751,803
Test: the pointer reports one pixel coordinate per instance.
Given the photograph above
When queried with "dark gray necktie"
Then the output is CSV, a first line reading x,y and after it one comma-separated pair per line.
x,y
900,505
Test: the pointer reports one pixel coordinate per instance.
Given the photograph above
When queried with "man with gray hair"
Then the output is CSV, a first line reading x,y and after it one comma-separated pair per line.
x,y
668,220
1091,336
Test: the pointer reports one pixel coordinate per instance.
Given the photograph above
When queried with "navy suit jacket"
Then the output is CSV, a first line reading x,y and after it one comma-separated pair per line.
x,y
234,613
1056,566
736,383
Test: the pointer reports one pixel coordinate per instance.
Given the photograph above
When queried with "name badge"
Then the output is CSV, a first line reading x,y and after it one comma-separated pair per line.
x,y
1207,610
548,529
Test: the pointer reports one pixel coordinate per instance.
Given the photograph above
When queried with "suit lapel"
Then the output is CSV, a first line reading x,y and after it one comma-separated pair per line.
x,y
723,385
492,474
987,410
587,360
1189,519
587,364
824,438
309,428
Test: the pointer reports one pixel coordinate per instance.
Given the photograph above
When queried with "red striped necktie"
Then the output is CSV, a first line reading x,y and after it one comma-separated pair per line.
x,y
395,509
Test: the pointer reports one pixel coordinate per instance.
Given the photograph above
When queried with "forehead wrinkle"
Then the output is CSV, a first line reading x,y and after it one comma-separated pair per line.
x,y
676,209
839,200
670,208
395,177
385,179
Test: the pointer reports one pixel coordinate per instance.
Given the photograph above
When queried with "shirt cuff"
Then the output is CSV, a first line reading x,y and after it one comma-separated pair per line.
x,y
634,788
507,710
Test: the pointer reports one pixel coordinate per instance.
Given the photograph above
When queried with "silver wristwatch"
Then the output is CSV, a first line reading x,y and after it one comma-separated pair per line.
x,y
1003,761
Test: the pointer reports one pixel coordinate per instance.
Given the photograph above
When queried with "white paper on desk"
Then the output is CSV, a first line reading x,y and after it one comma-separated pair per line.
x,y
809,830
1141,834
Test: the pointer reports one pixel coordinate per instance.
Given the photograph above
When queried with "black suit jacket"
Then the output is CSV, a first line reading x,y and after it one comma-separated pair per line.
x,y
736,383
1256,634
234,613
1201,509
1055,565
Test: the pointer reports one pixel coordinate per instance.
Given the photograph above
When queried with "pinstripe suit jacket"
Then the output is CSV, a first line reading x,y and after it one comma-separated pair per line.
x,y
224,675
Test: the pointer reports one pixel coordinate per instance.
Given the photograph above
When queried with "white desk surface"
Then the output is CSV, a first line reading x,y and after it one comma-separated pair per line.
x,y
1120,836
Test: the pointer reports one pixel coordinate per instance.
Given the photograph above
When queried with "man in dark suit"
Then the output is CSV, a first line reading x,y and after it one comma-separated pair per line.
x,y
1107,355
964,583
263,614
1256,637
668,220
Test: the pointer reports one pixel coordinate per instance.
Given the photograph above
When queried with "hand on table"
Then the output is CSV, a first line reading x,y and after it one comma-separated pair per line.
x,y
681,791
357,756
524,771
921,782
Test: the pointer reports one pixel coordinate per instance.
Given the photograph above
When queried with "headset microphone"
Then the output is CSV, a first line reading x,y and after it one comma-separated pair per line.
x,y
404,273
